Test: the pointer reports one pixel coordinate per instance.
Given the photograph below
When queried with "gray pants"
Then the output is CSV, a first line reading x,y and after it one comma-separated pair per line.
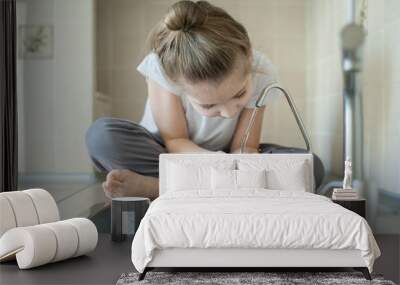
x,y
114,143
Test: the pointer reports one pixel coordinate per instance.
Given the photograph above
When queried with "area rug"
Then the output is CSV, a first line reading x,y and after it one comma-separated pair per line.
x,y
244,278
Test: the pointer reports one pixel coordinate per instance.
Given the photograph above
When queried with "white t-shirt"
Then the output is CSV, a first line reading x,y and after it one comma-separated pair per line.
x,y
212,133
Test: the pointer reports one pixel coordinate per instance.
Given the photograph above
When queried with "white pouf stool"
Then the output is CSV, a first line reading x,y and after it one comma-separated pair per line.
x,y
31,233
26,208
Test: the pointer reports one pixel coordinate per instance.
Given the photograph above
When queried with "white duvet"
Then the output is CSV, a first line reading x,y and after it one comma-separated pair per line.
x,y
253,218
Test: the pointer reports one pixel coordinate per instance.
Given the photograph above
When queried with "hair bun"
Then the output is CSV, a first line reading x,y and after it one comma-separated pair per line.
x,y
184,15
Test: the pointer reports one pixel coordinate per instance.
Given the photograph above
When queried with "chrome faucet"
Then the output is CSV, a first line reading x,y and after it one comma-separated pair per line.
x,y
259,103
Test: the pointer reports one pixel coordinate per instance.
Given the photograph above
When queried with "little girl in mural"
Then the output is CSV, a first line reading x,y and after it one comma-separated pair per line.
x,y
203,79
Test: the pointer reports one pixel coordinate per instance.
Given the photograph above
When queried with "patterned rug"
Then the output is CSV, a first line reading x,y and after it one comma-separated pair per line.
x,y
243,278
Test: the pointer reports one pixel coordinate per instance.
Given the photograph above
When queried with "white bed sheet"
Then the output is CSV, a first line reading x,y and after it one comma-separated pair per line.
x,y
251,218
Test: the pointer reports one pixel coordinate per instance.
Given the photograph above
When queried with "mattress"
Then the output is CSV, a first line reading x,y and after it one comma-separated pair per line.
x,y
253,219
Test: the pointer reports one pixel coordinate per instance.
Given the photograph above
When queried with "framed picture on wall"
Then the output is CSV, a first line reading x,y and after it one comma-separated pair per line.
x,y
35,41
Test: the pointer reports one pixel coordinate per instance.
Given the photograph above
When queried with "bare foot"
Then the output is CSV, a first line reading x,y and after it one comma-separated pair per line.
x,y
124,182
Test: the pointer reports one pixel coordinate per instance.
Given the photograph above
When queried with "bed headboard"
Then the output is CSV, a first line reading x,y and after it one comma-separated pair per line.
x,y
165,158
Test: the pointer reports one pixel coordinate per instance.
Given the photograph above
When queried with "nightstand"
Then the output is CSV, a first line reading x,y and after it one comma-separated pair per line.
x,y
358,206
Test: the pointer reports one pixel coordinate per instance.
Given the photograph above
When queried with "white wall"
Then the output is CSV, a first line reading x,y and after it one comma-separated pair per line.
x,y
56,94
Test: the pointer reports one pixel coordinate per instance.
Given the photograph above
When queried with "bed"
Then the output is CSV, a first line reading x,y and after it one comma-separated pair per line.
x,y
245,211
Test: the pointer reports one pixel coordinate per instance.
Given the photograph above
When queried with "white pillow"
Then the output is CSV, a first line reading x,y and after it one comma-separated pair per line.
x,y
229,179
292,179
282,174
184,175
223,179
251,178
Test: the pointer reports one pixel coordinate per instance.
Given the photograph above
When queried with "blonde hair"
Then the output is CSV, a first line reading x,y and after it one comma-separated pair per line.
x,y
198,41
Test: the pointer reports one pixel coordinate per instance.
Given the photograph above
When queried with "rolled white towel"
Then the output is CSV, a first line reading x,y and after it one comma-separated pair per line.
x,y
40,244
